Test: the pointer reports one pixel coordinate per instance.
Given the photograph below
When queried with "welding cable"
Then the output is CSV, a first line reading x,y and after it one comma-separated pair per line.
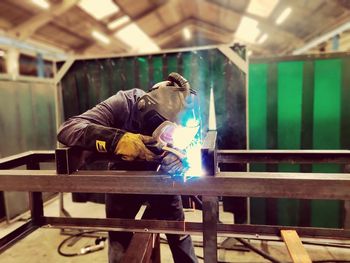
x,y
99,244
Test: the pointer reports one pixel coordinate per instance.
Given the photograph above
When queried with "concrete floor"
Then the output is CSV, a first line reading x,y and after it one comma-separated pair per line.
x,y
41,245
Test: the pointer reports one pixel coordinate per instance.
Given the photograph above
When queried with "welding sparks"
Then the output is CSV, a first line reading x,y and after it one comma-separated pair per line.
x,y
184,136
194,161
188,139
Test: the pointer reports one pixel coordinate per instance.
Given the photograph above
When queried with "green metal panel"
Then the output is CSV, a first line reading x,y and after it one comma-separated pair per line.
x,y
157,62
186,65
345,104
309,109
171,60
307,133
326,134
105,80
143,76
129,73
257,129
290,84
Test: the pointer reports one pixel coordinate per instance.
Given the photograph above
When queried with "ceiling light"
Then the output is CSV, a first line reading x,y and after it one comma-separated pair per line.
x,y
283,16
100,37
187,33
99,9
262,39
248,29
133,36
261,8
2,53
118,22
41,3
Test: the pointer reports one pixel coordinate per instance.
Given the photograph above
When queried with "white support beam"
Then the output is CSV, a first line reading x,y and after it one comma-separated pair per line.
x,y
323,38
12,63
233,56
69,62
27,28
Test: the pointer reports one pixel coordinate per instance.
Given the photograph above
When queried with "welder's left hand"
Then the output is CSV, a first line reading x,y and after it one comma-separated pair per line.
x,y
172,164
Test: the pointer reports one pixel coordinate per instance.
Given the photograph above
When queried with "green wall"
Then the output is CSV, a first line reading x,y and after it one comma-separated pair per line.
x,y
299,103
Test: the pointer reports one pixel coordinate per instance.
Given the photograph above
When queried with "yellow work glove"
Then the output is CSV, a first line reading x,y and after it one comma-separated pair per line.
x,y
132,146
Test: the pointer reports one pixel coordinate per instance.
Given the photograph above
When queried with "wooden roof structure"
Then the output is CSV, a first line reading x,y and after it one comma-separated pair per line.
x,y
68,27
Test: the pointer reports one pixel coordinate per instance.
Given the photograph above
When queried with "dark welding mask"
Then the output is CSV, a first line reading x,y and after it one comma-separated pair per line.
x,y
170,101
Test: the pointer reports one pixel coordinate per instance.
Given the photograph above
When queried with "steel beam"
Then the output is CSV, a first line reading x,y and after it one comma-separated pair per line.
x,y
210,203
210,219
281,156
26,158
249,184
181,227
35,198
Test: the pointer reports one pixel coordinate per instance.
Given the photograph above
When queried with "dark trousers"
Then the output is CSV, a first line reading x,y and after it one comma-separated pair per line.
x,y
164,207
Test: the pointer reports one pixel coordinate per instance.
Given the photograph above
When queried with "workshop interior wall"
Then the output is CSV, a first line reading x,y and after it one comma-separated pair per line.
x,y
27,122
299,103
27,114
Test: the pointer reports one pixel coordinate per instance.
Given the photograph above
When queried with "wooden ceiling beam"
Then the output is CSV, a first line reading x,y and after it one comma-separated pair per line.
x,y
115,45
263,22
28,28
196,27
4,24
322,30
190,21
144,13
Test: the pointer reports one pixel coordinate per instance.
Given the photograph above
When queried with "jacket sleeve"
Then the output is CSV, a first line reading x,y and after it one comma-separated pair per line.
x,y
95,129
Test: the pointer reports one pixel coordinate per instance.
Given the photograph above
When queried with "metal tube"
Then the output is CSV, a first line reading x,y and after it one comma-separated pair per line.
x,y
179,227
281,156
285,185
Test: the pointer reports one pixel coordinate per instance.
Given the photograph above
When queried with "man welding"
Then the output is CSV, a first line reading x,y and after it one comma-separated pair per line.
x,y
129,124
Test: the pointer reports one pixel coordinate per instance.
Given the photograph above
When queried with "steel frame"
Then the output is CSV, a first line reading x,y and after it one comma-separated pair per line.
x,y
66,178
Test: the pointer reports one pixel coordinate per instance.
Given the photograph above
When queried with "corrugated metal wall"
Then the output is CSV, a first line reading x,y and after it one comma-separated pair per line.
x,y
27,122
299,103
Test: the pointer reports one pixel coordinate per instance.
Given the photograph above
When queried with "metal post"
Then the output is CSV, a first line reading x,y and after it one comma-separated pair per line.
x,y
210,203
36,199
65,164
210,217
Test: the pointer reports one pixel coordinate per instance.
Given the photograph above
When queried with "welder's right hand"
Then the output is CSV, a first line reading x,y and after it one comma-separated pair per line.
x,y
172,164
132,146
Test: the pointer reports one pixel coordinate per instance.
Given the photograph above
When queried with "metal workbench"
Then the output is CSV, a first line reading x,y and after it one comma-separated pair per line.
x,y
66,178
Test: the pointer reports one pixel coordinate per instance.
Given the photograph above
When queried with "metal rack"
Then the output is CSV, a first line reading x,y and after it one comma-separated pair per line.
x,y
245,184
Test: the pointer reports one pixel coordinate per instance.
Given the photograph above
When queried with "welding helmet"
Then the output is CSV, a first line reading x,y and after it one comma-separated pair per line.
x,y
170,101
